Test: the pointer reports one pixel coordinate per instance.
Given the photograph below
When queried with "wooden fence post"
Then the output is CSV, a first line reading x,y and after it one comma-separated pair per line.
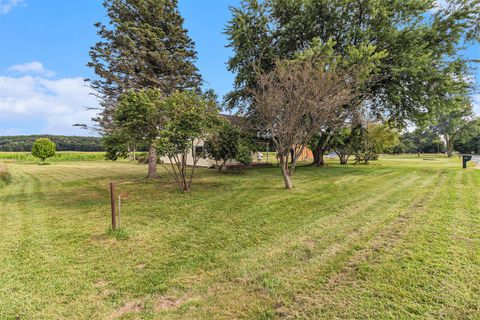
x,y
112,200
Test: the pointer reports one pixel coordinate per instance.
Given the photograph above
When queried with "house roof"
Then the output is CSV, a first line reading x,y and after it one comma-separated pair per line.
x,y
237,121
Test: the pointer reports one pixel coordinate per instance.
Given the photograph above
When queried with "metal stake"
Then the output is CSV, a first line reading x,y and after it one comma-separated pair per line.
x,y
119,209
112,203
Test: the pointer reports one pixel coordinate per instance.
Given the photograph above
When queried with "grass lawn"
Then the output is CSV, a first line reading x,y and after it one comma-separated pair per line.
x,y
398,239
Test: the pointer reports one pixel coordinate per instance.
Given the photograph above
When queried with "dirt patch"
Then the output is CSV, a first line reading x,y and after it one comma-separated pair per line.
x,y
129,307
140,266
160,304
165,303
107,292
310,243
100,284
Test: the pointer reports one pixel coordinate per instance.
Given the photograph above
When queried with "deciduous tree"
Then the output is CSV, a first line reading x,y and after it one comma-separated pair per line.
x,y
189,120
319,144
345,140
295,100
138,118
375,138
451,120
416,38
43,148
227,144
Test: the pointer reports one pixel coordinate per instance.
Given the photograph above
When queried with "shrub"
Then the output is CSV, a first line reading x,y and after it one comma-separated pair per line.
x,y
244,155
43,149
228,144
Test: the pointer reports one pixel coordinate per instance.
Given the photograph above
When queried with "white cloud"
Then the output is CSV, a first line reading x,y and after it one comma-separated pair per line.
x,y
57,103
7,5
33,67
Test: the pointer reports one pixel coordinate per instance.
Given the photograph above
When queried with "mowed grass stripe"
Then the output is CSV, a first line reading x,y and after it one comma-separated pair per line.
x,y
407,279
226,237
460,286
263,287
237,239
58,225
337,297
19,246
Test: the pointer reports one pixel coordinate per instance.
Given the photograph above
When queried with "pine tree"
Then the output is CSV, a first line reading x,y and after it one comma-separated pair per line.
x,y
144,46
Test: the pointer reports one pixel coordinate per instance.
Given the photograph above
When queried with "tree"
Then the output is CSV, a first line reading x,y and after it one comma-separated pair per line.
x,y
421,140
295,100
375,138
43,148
227,144
450,120
345,140
468,139
321,143
116,146
414,43
189,119
145,46
138,119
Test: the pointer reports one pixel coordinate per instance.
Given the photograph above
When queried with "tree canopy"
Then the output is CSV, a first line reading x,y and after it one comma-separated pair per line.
x,y
295,100
417,42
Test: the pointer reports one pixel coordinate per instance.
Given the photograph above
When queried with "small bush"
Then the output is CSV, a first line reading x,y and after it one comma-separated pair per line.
x,y
43,149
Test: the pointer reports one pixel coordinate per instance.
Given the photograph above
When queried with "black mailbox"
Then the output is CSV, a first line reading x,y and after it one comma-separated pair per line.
x,y
466,158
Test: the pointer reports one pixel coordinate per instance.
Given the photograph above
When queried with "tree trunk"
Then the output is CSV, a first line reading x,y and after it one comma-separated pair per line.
x,y
343,159
449,146
318,154
321,160
286,176
152,162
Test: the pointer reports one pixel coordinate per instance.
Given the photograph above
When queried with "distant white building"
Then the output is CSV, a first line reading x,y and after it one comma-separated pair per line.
x,y
198,147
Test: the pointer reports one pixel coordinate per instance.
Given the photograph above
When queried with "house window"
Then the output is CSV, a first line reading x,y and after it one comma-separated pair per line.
x,y
198,151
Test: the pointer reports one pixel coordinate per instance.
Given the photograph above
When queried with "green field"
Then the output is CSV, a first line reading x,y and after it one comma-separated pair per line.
x,y
398,239
59,156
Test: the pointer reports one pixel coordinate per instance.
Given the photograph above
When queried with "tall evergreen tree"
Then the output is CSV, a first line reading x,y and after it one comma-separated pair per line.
x,y
144,46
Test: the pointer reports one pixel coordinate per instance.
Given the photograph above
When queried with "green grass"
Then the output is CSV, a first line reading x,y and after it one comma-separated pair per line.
x,y
398,239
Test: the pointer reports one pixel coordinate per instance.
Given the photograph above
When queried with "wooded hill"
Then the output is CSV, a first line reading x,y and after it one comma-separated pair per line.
x,y
64,143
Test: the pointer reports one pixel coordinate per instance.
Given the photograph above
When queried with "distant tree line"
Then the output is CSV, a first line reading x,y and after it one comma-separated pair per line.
x,y
64,143
420,141
466,139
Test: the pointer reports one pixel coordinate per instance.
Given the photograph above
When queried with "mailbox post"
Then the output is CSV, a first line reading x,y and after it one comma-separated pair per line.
x,y
465,159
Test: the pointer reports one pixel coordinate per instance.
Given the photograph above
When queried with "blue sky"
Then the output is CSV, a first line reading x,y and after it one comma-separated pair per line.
x,y
44,50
